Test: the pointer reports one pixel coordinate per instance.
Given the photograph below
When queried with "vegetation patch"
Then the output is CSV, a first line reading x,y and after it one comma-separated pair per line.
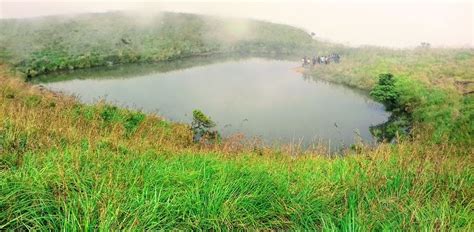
x,y
202,127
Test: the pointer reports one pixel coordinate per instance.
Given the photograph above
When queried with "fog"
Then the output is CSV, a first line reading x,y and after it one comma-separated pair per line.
x,y
381,23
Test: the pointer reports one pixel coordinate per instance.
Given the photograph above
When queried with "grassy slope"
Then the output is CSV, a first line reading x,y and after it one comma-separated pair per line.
x,y
437,66
37,46
428,82
67,165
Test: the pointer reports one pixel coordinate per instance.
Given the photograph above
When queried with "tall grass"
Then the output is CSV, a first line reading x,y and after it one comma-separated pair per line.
x,y
389,189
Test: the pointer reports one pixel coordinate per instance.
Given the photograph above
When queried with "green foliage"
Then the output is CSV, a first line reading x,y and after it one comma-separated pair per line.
x,y
397,126
110,114
83,112
201,121
202,126
132,122
385,91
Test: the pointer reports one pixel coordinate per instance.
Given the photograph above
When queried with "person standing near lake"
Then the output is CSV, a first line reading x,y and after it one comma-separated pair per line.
x,y
303,61
314,60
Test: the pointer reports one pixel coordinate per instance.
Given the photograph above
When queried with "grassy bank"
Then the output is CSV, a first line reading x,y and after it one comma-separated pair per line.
x,y
42,45
432,87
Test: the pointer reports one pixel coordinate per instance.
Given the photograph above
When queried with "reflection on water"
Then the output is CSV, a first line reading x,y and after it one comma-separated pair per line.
x,y
257,97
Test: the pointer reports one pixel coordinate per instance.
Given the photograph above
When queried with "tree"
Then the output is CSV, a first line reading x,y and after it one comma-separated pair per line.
x,y
385,91
202,127
425,45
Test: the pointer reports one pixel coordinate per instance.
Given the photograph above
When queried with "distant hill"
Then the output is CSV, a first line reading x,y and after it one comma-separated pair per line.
x,y
41,45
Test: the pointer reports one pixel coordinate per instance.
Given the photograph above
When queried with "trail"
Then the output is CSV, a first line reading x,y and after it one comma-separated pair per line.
x,y
298,69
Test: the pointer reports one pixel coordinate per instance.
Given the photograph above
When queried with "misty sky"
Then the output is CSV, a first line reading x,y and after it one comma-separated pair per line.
x,y
384,23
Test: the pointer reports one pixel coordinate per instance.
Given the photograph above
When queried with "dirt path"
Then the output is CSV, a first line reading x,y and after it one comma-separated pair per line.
x,y
298,69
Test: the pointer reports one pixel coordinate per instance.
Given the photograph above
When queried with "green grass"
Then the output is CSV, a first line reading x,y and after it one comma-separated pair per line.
x,y
360,67
79,188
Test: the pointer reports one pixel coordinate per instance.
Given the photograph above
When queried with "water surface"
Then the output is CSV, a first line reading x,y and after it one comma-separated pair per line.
x,y
258,97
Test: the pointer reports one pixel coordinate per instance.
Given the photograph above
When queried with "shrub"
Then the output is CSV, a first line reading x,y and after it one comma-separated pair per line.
x,y
390,94
396,126
386,92
132,122
109,113
202,127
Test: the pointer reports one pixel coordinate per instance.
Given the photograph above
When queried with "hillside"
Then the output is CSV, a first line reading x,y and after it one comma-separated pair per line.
x,y
42,45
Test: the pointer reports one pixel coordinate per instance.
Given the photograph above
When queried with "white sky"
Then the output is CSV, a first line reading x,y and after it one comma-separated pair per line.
x,y
391,23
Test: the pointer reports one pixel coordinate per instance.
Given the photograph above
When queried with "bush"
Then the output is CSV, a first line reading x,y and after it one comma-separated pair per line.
x,y
396,126
386,92
202,127
109,113
389,93
132,122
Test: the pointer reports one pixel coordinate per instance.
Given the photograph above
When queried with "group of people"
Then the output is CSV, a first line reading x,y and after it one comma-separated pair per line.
x,y
334,57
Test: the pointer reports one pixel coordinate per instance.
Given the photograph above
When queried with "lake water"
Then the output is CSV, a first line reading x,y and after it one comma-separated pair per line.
x,y
258,97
